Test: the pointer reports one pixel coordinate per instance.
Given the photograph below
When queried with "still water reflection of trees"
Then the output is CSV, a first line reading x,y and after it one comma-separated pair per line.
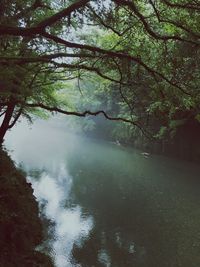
x,y
141,209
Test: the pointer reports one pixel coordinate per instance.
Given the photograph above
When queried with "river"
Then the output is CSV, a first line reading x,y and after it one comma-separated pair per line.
x,y
104,204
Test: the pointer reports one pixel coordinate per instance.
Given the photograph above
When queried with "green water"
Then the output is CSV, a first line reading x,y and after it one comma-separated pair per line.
x,y
146,211
116,207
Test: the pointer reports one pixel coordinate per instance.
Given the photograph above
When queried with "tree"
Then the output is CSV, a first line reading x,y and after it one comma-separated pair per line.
x,y
147,50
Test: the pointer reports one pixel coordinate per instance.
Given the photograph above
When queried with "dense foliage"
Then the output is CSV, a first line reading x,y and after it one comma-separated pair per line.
x,y
136,61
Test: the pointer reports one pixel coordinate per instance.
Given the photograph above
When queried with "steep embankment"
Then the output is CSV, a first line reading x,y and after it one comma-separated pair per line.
x,y
20,226
184,144
181,141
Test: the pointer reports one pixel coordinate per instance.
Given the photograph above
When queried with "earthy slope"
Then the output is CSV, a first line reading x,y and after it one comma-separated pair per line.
x,y
20,226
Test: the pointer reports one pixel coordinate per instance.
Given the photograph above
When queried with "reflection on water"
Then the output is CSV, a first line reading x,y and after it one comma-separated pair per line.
x,y
111,206
42,159
52,192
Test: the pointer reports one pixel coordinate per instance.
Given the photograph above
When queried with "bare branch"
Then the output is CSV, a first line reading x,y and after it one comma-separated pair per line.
x,y
44,58
18,31
2,113
16,118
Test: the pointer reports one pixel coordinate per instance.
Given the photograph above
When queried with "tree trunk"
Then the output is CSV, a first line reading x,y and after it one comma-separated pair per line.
x,y
5,124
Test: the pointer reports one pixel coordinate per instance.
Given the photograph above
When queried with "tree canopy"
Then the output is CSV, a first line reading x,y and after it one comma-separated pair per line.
x,y
141,57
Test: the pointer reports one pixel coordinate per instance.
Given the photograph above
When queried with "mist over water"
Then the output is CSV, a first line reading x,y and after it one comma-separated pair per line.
x,y
40,148
109,205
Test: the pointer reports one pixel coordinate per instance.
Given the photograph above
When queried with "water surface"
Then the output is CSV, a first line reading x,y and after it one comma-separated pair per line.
x,y
108,205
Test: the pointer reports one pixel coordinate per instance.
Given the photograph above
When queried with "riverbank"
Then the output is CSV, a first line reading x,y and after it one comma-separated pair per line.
x,y
20,226
181,143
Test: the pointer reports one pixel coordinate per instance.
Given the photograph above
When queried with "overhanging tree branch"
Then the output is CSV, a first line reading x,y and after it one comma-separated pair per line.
x,y
41,26
172,22
62,14
96,51
187,5
36,5
19,112
132,6
44,58
89,113
115,54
